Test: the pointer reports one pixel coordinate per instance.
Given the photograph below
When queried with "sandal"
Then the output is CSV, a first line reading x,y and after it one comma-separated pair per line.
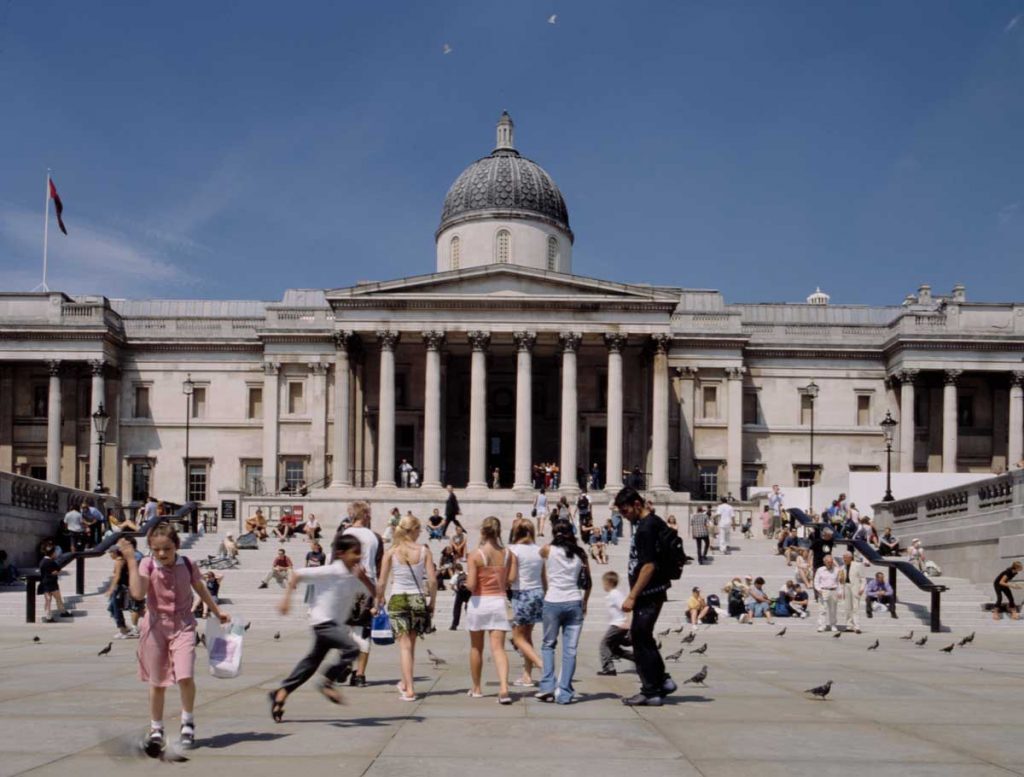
x,y
504,700
472,695
405,697
332,694
276,707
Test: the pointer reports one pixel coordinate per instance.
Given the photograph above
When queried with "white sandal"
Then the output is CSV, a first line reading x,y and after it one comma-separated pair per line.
x,y
472,695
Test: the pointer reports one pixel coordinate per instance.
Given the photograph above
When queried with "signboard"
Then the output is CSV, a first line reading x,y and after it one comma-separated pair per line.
x,y
297,513
228,510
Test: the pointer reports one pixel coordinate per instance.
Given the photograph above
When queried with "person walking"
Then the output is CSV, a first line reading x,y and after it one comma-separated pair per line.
x,y
699,533
527,596
540,509
648,590
724,515
336,586
617,633
854,584
372,546
565,606
452,511
410,567
491,569
826,587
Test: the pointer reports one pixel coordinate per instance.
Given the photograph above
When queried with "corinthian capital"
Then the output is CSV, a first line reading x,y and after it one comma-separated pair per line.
x,y
479,340
53,367
570,341
735,373
524,340
661,343
952,376
907,376
343,339
388,339
97,367
615,341
1017,378
433,339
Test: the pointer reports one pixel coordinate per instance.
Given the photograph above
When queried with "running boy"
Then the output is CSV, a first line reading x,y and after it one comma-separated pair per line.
x,y
617,634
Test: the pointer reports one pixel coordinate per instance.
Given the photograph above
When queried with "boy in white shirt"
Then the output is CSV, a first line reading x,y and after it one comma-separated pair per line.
x,y
617,634
336,586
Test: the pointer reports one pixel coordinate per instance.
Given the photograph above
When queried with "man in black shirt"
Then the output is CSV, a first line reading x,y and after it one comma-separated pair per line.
x,y
821,546
452,511
648,587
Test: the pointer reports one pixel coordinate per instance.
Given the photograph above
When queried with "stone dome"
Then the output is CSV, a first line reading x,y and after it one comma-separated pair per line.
x,y
504,183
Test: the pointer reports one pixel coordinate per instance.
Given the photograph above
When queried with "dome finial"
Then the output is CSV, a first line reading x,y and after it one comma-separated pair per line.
x,y
505,127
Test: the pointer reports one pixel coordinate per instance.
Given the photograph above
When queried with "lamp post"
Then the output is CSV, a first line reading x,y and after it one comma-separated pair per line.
x,y
100,419
811,390
889,430
187,387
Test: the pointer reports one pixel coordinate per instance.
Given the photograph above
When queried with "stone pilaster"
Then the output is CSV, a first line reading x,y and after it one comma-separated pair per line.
x,y
433,342
524,407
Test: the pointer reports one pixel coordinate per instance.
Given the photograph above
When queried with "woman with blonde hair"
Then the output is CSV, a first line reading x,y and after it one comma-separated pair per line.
x,y
410,566
491,569
527,596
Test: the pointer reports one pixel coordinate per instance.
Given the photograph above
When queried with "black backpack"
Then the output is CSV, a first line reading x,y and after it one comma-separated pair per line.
x,y
671,555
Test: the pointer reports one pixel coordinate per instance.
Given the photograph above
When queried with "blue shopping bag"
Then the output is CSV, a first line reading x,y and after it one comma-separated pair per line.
x,y
380,629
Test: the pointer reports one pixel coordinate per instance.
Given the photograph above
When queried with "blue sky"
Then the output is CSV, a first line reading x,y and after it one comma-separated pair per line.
x,y
233,149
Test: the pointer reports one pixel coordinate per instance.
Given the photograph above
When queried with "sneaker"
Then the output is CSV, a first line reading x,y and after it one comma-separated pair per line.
x,y
66,614
187,738
153,744
607,673
262,585
643,701
669,686
123,635
357,681
545,696
133,633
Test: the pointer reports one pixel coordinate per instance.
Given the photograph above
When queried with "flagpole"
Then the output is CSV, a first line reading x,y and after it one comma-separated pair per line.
x,y
46,230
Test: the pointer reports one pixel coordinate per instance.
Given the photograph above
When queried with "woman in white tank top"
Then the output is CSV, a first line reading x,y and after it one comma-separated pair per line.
x,y
413,579
527,596
565,606
540,510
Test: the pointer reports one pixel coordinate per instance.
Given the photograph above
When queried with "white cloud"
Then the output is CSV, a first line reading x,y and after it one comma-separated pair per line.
x,y
91,259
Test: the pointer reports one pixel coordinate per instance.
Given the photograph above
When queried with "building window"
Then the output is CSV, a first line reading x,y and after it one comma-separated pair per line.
x,y
864,410
142,473
708,482
252,477
455,255
751,477
806,403
805,476
255,402
141,408
552,253
296,400
709,395
199,402
865,468
965,411
294,474
197,482
503,249
750,408
40,401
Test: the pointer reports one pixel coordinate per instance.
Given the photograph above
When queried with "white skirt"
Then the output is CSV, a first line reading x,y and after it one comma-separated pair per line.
x,y
487,613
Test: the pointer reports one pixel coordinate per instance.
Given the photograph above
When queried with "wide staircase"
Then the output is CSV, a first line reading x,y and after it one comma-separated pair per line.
x,y
961,610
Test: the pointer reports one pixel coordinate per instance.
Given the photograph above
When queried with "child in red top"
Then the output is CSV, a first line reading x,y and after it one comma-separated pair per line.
x,y
167,652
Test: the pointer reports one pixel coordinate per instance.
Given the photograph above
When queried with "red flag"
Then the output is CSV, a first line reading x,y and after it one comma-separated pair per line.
x,y
59,206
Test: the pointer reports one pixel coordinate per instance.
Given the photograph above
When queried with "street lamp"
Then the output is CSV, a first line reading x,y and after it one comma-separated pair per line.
x,y
100,419
187,387
889,430
811,391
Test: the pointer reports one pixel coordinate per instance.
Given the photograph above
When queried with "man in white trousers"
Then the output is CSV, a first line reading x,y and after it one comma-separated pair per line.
x,y
826,583
853,590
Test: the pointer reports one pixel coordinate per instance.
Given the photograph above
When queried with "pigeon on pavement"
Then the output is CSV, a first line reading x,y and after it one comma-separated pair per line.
x,y
921,642
699,678
106,650
675,656
909,636
821,691
873,646
702,649
948,649
783,632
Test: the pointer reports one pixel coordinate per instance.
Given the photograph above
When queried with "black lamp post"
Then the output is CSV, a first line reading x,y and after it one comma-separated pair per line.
x,y
187,387
100,419
811,390
889,430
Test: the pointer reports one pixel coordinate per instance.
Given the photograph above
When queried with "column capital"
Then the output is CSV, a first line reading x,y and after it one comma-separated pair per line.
x,y
271,368
479,340
317,368
660,343
950,377
53,366
97,367
524,340
615,341
570,341
388,339
907,376
735,373
687,373
433,339
1017,378
344,339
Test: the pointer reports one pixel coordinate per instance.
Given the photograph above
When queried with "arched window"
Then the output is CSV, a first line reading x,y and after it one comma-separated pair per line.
x,y
503,249
454,253
552,253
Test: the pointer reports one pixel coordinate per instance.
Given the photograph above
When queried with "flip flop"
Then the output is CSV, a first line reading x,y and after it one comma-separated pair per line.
x,y
503,700
276,707
472,695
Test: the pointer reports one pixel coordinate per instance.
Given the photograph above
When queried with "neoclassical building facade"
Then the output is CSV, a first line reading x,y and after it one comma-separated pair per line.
x,y
501,358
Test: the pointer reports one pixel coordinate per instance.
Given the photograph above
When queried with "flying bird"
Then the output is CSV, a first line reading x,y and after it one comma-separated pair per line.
x,y
909,636
699,678
837,635
821,691
664,633
446,49
921,642
106,650
277,635
702,649
676,656
554,18
689,637
873,646
948,649
36,639
436,659
783,632
970,638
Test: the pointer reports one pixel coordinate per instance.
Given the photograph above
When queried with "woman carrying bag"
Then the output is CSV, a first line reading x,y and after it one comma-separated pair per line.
x,y
410,567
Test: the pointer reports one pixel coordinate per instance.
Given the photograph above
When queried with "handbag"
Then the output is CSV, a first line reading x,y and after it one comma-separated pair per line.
x,y
224,648
429,620
380,631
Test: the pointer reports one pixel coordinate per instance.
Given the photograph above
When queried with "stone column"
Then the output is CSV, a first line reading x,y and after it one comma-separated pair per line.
x,y
318,425
949,420
433,341
6,420
570,342
341,473
478,410
271,407
386,416
613,439
659,414
1015,448
734,432
907,378
524,408
53,414
687,416
98,393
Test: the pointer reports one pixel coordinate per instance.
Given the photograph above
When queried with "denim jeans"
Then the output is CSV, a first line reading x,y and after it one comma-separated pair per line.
x,y
114,608
566,617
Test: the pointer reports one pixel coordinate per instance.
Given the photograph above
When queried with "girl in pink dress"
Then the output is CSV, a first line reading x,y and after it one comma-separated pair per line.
x,y
167,642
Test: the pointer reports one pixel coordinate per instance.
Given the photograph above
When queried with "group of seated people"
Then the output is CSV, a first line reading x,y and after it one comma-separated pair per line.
x,y
288,525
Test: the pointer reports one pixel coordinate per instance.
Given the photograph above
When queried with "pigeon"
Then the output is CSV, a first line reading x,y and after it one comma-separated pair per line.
x,y
689,637
783,632
948,649
680,630
909,636
821,691
446,49
702,649
873,646
553,19
106,649
962,642
676,656
699,678
277,635
922,641
36,639
248,625
664,633
837,635
970,638
436,659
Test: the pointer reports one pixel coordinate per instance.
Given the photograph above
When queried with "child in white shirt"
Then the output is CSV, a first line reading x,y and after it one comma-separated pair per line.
x,y
617,634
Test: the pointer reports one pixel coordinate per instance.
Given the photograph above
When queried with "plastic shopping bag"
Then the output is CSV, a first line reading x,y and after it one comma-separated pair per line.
x,y
224,647
380,630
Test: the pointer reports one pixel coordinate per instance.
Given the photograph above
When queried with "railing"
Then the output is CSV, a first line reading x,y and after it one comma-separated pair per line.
x,y
912,573
186,512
